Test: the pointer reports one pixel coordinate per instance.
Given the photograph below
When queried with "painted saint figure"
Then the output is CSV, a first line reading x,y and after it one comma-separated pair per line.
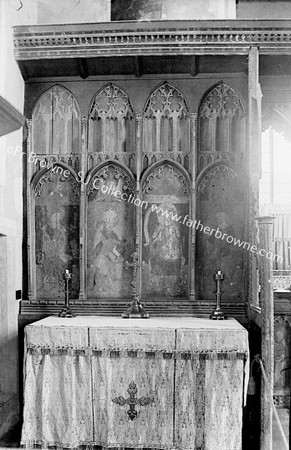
x,y
109,251
165,271
165,243
57,233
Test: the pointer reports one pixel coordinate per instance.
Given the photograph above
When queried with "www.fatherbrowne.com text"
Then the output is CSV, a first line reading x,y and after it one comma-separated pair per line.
x,y
186,220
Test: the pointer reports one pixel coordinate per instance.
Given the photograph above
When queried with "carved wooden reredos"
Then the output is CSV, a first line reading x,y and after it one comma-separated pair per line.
x,y
192,165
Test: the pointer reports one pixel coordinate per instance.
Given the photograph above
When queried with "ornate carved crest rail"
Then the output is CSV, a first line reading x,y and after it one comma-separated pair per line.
x,y
155,38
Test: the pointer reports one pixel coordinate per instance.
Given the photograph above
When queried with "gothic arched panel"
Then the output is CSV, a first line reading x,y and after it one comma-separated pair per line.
x,y
57,199
222,133
166,124
111,122
111,235
221,207
165,238
56,125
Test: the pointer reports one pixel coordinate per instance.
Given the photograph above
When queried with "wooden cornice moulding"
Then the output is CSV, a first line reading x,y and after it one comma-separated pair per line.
x,y
152,38
10,118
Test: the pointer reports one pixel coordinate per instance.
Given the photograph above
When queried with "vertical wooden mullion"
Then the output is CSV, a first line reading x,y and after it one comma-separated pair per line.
x,y
52,126
272,171
267,329
49,127
193,159
31,266
175,131
228,123
254,148
83,211
158,131
214,124
138,216
103,133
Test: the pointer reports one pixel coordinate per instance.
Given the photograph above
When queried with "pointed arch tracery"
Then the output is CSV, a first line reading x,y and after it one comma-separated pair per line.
x,y
222,126
56,123
111,122
166,125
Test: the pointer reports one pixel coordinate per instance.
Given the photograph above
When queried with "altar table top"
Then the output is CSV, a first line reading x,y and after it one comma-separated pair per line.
x,y
165,334
153,322
190,375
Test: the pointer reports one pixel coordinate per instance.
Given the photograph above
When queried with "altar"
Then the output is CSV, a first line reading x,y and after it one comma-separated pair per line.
x,y
159,383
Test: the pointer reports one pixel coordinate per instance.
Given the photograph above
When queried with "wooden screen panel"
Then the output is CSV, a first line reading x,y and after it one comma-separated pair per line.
x,y
56,234
166,121
56,123
111,233
221,207
165,239
282,337
221,126
111,122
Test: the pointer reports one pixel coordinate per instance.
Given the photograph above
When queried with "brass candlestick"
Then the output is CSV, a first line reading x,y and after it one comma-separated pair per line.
x,y
66,312
135,310
218,314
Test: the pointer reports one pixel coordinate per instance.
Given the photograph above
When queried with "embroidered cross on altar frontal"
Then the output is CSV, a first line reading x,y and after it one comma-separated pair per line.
x,y
132,401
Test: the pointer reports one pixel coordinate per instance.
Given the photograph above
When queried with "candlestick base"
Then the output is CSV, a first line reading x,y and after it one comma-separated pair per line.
x,y
218,315
135,311
66,312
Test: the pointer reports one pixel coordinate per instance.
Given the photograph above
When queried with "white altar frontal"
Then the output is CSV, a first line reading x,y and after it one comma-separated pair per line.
x,y
158,383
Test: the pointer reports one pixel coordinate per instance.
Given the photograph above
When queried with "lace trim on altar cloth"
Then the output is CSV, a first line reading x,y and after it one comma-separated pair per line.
x,y
93,446
105,353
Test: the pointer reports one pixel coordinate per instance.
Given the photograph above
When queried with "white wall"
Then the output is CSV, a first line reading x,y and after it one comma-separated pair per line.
x,y
198,9
12,89
263,9
73,11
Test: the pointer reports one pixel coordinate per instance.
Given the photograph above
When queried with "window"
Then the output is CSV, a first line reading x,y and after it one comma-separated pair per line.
x,y
275,199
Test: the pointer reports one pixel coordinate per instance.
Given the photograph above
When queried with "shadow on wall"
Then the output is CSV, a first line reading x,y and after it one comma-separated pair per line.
x,y
9,401
9,398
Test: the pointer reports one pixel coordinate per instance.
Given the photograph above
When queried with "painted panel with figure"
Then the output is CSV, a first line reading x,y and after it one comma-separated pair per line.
x,y
56,233
221,207
110,240
282,338
165,240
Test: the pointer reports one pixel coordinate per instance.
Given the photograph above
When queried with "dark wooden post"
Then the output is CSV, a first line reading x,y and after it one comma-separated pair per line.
x,y
138,211
83,212
31,290
267,307
193,212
